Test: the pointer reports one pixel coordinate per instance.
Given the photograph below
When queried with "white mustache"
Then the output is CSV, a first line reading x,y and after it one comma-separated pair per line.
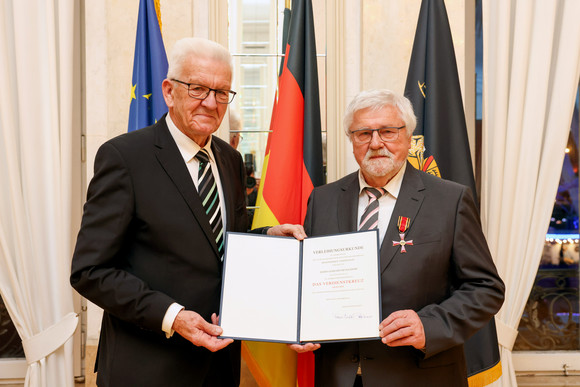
x,y
379,152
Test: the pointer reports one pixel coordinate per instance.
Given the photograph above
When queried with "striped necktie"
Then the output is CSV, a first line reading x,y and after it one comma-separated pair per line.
x,y
208,192
370,217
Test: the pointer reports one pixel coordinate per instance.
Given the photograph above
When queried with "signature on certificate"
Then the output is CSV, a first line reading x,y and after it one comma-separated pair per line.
x,y
352,316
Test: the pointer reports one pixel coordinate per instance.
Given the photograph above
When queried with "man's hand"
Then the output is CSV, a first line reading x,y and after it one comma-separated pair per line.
x,y
308,347
403,327
292,230
194,328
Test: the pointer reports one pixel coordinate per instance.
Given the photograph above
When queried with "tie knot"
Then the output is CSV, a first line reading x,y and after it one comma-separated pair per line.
x,y
374,193
202,156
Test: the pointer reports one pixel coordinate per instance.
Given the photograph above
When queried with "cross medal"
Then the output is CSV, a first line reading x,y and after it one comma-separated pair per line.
x,y
403,226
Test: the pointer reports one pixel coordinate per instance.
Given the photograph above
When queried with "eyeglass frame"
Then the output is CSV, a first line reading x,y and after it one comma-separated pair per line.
x,y
352,132
238,135
231,92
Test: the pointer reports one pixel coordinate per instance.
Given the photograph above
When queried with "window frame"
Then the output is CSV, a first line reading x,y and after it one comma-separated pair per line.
x,y
337,146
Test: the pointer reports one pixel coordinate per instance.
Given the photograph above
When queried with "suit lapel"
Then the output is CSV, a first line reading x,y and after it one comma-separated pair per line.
x,y
408,203
348,204
170,159
226,178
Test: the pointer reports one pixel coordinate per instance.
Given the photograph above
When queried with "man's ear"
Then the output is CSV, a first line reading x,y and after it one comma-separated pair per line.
x,y
167,88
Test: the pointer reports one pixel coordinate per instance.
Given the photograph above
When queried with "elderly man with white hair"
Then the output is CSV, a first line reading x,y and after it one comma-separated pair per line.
x,y
439,284
151,243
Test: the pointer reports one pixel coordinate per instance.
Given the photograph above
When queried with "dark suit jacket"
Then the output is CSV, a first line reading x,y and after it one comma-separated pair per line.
x,y
447,276
144,243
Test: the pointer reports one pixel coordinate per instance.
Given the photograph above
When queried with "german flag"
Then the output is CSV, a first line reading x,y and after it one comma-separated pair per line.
x,y
292,168
440,145
293,161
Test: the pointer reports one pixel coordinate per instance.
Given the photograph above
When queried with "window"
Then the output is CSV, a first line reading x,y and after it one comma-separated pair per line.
x,y
255,41
10,342
550,321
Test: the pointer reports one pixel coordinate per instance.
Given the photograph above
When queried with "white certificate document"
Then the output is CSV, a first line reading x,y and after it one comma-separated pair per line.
x,y
260,288
340,288
283,290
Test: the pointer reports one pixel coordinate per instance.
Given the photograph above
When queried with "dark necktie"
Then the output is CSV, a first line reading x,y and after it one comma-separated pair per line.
x,y
208,192
370,218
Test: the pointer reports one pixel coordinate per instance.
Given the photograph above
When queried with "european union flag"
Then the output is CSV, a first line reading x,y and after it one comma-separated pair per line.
x,y
149,70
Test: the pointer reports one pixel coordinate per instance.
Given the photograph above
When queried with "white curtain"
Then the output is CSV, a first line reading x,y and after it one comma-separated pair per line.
x,y
531,69
36,115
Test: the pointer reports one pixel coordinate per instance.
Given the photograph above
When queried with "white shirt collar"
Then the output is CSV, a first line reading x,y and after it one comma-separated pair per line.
x,y
187,147
393,186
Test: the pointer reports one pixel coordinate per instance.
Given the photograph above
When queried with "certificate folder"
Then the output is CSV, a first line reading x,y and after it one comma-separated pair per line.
x,y
320,289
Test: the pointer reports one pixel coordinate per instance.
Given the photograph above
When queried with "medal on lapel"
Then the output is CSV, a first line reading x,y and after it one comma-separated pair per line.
x,y
403,224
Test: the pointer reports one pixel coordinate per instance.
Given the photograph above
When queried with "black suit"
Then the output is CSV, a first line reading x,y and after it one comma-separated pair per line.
x,y
145,242
447,276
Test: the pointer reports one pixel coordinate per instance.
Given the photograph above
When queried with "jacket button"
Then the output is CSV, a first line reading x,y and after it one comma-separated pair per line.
x,y
354,358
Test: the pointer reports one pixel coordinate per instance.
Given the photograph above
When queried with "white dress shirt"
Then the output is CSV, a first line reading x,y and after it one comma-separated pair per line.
x,y
386,202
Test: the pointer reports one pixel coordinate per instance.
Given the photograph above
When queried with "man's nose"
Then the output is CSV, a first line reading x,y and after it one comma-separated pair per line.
x,y
210,101
376,141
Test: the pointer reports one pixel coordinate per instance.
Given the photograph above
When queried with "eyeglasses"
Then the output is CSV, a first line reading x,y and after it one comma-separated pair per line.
x,y
386,134
237,135
202,92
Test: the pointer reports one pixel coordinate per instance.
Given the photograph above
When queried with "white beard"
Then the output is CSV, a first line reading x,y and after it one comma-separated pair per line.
x,y
382,166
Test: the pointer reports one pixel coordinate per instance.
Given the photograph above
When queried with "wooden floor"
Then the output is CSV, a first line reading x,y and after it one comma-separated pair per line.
x,y
548,381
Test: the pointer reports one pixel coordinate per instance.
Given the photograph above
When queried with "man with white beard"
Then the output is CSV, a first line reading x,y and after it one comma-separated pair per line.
x,y
439,284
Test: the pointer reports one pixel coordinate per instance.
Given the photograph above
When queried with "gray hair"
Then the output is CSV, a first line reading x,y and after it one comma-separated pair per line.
x,y
186,48
235,122
377,99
